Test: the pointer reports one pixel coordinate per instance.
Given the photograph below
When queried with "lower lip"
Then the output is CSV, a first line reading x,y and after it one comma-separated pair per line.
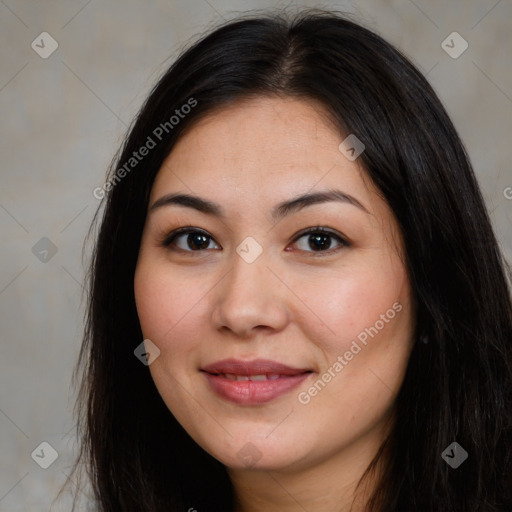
x,y
252,392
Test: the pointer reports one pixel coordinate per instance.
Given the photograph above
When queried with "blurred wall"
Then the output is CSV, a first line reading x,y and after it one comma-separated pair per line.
x,y
64,111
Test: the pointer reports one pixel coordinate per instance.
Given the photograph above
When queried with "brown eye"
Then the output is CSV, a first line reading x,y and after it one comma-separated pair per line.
x,y
320,240
317,241
189,240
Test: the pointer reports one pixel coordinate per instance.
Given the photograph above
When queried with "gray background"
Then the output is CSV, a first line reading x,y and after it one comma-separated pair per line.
x,y
63,118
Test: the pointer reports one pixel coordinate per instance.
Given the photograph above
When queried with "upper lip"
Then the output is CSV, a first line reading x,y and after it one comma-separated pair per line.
x,y
253,367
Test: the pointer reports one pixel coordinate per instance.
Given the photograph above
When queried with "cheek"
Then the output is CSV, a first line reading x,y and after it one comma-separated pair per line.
x,y
350,303
364,352
168,306
165,301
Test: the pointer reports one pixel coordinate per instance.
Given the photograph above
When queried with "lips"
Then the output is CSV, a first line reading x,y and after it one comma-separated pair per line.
x,y
252,382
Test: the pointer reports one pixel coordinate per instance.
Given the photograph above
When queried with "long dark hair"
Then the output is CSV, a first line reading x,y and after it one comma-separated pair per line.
x,y
458,383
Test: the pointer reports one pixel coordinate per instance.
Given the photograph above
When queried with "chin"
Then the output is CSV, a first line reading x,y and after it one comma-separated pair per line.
x,y
257,453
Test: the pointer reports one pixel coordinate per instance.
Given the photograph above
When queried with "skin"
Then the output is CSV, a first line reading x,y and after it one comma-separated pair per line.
x,y
294,304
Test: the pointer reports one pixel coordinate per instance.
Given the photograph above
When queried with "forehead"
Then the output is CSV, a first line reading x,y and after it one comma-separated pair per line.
x,y
261,148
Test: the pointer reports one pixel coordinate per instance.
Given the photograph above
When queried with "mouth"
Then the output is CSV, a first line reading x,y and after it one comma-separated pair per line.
x,y
253,382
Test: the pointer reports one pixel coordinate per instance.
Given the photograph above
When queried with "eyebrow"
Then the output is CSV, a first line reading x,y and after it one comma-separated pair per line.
x,y
279,211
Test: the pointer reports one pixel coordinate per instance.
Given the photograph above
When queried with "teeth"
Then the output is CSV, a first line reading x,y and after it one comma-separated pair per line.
x,y
263,376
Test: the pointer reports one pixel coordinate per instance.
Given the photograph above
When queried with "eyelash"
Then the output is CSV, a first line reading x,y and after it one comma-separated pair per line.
x,y
171,237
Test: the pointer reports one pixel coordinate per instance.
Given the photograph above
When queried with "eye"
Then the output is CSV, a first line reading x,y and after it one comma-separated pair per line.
x,y
189,240
320,240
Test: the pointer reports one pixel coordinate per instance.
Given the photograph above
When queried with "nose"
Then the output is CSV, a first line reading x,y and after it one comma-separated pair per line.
x,y
250,299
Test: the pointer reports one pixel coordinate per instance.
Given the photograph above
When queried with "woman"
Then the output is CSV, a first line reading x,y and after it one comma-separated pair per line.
x,y
297,301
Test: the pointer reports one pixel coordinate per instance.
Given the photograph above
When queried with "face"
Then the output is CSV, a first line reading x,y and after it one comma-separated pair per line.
x,y
284,326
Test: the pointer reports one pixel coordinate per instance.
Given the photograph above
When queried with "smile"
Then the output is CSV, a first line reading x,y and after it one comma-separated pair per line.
x,y
252,382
